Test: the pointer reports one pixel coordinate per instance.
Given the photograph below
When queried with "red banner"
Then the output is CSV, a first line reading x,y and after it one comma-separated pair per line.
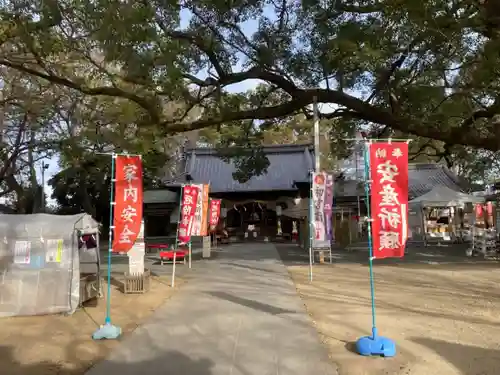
x,y
479,212
127,212
204,211
188,210
214,213
389,198
489,208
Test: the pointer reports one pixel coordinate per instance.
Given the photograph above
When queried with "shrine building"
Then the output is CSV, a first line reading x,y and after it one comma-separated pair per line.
x,y
254,206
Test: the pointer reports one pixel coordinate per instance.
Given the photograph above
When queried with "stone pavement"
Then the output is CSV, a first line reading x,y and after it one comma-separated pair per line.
x,y
238,315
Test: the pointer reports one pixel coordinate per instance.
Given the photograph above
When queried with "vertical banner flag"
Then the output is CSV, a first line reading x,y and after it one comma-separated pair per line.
x,y
389,198
319,237
190,195
127,211
198,215
214,213
479,212
204,211
329,207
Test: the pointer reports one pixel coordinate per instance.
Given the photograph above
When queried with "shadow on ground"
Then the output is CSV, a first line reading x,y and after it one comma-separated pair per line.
x,y
263,307
469,360
166,363
450,257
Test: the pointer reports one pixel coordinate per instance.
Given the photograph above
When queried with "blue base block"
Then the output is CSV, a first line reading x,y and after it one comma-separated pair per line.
x,y
376,346
107,331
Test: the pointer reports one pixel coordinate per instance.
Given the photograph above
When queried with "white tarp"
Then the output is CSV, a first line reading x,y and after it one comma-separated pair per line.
x,y
442,196
40,263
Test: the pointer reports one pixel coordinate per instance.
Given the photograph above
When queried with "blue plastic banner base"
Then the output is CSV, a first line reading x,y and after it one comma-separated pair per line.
x,y
376,346
107,332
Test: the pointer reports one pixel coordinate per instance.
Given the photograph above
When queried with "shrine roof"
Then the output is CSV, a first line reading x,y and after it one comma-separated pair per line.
x,y
422,178
288,164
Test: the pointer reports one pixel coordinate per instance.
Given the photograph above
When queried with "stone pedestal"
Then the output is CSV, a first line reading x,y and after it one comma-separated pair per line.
x,y
207,247
136,254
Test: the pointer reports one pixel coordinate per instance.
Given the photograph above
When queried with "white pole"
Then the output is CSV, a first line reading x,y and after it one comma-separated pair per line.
x,y
189,249
357,177
317,157
311,232
173,268
349,222
317,152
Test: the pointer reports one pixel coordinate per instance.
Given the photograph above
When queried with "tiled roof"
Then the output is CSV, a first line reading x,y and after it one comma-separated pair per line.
x,y
288,164
292,163
159,196
424,177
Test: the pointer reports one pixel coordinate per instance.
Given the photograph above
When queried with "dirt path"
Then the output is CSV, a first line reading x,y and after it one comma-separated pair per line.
x,y
444,318
49,345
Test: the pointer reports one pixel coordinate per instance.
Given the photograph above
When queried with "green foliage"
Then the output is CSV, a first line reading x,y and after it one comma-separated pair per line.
x,y
426,68
130,76
249,161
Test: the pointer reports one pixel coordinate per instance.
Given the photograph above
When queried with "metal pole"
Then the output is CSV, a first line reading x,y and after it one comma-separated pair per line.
x,y
356,155
179,216
43,186
190,254
44,167
311,231
370,244
317,152
381,139
107,320
174,259
317,157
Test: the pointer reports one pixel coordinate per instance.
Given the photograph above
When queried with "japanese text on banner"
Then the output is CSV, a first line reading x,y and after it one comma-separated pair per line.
x,y
329,207
127,212
319,235
190,195
204,211
198,215
214,213
389,198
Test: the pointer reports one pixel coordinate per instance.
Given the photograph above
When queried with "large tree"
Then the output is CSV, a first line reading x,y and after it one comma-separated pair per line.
x,y
428,68
26,137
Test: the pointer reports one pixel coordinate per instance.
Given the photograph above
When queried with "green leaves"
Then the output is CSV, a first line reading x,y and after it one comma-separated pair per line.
x,y
131,75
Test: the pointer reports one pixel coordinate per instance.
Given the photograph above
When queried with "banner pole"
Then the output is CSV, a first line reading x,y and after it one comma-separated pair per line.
x,y
310,230
174,260
179,216
109,331
190,253
107,320
373,345
370,242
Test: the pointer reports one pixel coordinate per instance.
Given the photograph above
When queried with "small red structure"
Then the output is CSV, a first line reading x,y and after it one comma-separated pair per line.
x,y
168,255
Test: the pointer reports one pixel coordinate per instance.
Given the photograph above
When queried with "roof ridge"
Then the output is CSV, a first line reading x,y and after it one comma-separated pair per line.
x,y
266,148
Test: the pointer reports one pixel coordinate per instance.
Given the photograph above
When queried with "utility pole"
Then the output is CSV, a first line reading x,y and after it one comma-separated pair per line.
x,y
317,155
317,152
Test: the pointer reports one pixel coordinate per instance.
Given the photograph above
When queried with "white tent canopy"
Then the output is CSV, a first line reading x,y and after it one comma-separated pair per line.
x,y
442,196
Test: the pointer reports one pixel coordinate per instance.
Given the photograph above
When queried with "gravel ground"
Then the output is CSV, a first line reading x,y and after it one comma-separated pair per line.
x,y
441,308
62,345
